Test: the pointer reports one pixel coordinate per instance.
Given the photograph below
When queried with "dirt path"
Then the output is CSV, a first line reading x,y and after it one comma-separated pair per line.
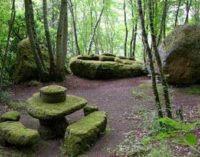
x,y
113,96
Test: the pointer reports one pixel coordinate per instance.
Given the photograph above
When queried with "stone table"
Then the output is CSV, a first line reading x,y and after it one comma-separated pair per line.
x,y
51,114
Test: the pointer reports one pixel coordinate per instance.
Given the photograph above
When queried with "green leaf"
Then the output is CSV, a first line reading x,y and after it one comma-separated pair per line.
x,y
191,139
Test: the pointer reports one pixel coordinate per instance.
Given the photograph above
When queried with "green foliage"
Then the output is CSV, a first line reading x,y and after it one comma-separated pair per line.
x,y
193,90
5,97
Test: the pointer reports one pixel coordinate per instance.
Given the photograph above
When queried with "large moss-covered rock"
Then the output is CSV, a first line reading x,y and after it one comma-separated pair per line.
x,y
81,135
39,109
180,54
53,94
105,69
25,68
17,134
10,116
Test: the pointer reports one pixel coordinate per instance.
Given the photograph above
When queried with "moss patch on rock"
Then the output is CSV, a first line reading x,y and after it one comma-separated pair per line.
x,y
89,109
42,110
25,68
17,134
180,55
53,94
106,58
81,135
10,116
105,69
108,54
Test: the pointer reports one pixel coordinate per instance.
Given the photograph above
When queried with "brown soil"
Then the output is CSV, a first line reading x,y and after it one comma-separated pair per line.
x,y
113,96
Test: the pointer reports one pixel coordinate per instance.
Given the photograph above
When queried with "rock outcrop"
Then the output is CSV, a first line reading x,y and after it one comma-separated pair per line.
x,y
180,54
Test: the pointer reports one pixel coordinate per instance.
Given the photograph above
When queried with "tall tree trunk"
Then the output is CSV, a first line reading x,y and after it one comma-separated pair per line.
x,y
177,12
163,22
74,27
30,24
159,63
95,29
61,43
49,43
188,6
148,50
126,30
10,29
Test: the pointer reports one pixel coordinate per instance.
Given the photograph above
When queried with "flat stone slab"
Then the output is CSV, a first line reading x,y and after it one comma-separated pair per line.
x,y
10,116
17,134
44,111
81,135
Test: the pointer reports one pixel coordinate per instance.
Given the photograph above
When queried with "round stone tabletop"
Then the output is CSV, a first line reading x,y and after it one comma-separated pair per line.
x,y
44,111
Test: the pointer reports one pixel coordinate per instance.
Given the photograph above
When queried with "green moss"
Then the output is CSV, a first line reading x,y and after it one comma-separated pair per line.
x,y
10,116
105,69
81,135
42,110
106,58
89,109
53,94
88,57
53,89
16,134
25,68
108,54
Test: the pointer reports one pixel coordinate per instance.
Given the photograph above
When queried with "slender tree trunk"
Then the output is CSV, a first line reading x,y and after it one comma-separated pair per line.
x,y
163,22
95,29
10,29
49,43
188,6
30,24
126,30
148,50
159,63
61,43
74,27
177,12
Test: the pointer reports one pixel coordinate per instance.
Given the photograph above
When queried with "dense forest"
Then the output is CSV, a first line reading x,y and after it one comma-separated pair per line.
x,y
132,66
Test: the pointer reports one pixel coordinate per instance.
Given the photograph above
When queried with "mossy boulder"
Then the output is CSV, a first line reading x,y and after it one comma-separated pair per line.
x,y
39,109
17,134
25,68
81,135
89,109
53,94
106,58
180,54
10,116
88,57
105,69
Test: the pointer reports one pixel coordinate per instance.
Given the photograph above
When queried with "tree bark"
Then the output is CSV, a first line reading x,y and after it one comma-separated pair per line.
x,y
188,6
61,42
150,57
30,24
95,29
177,12
48,40
159,63
74,27
126,30
134,33
163,22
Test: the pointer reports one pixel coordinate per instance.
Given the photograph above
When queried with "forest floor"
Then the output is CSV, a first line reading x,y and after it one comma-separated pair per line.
x,y
130,108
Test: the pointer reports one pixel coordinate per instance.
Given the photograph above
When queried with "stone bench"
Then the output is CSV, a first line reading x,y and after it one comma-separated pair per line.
x,y
15,133
81,135
10,116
